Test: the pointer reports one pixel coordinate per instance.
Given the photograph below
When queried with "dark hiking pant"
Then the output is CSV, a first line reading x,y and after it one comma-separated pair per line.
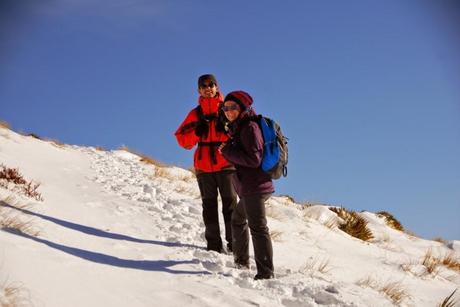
x,y
250,211
210,185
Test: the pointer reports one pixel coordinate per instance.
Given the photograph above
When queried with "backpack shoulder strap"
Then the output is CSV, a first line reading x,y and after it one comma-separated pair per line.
x,y
199,112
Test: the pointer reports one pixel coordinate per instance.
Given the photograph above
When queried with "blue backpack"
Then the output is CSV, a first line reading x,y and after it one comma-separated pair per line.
x,y
275,156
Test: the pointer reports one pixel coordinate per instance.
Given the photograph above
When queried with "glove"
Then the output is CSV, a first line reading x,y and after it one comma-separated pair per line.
x,y
201,129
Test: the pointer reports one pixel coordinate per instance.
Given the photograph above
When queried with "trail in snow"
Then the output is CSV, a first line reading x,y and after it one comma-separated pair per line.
x,y
177,215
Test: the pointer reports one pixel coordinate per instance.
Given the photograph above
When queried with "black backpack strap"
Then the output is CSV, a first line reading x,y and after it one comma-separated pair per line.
x,y
212,150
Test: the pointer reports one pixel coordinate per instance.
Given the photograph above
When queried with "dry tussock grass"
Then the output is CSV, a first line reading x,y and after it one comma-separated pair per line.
x,y
144,158
390,220
32,135
4,124
276,235
14,295
449,301
395,291
331,223
12,180
55,143
288,197
321,265
353,224
440,240
13,221
432,262
392,289
451,261
15,224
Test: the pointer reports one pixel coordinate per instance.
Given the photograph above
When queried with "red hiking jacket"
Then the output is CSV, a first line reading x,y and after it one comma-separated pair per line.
x,y
206,158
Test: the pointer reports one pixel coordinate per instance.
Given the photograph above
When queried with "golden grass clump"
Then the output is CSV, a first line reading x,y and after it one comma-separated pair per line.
x,y
13,221
316,265
392,289
440,240
14,296
390,220
144,158
451,261
4,124
331,222
395,291
430,262
276,235
290,198
449,301
353,224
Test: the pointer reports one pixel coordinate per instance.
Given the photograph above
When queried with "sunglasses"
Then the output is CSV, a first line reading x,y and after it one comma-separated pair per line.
x,y
206,85
232,107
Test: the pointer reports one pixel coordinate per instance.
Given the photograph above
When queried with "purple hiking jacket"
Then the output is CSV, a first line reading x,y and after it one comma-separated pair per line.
x,y
245,150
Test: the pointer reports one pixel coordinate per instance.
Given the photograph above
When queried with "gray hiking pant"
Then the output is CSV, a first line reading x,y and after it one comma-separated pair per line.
x,y
210,185
250,211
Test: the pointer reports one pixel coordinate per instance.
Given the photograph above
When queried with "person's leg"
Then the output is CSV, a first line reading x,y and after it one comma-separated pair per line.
x,y
240,234
228,196
263,250
208,189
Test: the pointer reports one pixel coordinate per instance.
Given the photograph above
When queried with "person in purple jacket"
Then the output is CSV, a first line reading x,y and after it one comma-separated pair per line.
x,y
253,185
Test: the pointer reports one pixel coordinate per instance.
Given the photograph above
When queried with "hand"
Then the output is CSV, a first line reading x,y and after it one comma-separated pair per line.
x,y
201,129
219,149
221,123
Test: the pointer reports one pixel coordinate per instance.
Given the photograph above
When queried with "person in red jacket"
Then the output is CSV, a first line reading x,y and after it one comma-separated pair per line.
x,y
204,126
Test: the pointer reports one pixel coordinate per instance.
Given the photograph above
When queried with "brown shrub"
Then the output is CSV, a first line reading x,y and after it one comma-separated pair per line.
x,y
12,175
4,124
353,224
390,220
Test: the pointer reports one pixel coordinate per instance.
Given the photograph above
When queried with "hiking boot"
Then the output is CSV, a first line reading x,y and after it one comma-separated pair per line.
x,y
264,276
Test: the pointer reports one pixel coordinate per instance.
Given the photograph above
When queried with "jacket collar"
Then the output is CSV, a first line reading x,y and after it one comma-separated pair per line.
x,y
210,105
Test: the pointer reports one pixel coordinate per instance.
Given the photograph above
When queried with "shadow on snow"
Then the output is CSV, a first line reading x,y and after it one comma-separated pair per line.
x,y
146,265
97,232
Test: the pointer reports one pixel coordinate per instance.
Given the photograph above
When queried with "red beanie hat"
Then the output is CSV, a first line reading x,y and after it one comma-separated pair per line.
x,y
243,99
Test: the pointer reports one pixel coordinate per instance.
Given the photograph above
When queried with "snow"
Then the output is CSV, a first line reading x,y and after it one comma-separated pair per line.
x,y
114,231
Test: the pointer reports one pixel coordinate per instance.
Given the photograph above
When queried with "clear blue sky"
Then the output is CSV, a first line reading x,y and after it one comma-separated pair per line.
x,y
367,91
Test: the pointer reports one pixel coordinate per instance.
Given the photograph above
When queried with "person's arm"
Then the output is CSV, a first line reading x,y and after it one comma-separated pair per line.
x,y
250,153
185,134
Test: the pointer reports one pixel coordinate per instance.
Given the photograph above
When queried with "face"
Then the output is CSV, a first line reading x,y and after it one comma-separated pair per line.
x,y
208,89
232,110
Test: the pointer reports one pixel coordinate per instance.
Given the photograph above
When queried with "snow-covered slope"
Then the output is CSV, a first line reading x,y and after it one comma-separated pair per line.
x,y
114,231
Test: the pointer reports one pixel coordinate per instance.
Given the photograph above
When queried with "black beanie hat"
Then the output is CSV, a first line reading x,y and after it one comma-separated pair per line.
x,y
243,99
208,77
